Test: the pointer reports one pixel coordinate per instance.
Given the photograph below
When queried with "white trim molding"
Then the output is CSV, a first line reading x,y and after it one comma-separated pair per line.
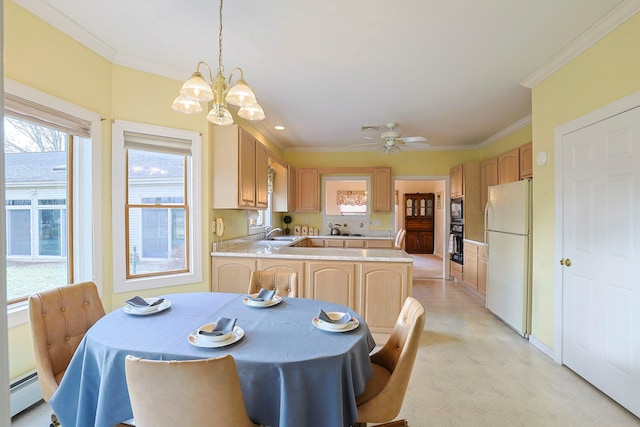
x,y
610,22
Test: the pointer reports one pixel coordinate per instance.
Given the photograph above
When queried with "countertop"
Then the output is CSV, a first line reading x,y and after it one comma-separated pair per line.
x,y
284,250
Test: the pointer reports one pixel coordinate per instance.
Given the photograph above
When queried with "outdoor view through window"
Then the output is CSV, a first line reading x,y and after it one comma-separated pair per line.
x,y
36,183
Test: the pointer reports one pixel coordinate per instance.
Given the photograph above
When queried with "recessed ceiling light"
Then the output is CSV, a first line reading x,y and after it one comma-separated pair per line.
x,y
278,127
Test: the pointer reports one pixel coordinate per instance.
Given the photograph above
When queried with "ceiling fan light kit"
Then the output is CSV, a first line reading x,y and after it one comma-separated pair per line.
x,y
196,89
391,139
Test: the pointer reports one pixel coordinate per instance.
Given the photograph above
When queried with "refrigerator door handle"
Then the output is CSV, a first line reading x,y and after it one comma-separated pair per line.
x,y
486,226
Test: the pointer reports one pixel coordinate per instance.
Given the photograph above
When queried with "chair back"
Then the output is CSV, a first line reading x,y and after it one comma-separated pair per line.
x,y
399,239
59,319
284,282
169,393
396,357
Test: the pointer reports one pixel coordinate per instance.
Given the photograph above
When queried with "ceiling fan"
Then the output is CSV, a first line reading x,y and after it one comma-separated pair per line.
x,y
391,139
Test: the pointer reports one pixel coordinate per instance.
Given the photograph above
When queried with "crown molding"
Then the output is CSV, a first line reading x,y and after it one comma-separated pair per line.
x,y
56,19
610,22
506,131
150,67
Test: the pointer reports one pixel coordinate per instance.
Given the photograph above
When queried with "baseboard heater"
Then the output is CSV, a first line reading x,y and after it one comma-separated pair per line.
x,y
24,392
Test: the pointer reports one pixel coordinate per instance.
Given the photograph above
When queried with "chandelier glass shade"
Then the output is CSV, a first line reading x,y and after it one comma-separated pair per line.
x,y
197,89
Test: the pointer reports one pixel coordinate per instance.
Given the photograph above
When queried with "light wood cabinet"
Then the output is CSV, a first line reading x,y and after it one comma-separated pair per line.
x,y
375,290
482,270
381,201
418,221
307,190
332,281
457,181
526,160
359,243
232,274
240,163
383,289
269,264
470,273
509,166
456,270
475,267
284,188
488,177
262,176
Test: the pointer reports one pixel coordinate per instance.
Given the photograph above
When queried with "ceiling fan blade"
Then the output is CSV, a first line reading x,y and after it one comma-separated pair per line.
x,y
412,139
369,137
366,143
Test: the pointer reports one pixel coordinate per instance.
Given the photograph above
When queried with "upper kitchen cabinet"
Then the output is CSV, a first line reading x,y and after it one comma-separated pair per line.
x,y
381,190
457,181
240,169
509,166
526,160
488,177
284,188
307,190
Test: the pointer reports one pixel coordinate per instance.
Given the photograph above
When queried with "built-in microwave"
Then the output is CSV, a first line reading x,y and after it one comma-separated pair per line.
x,y
456,210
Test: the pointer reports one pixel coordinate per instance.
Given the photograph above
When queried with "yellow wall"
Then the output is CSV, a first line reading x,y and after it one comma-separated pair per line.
x,y
45,59
606,72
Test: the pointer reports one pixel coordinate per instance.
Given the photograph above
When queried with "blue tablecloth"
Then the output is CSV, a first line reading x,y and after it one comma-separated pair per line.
x,y
292,374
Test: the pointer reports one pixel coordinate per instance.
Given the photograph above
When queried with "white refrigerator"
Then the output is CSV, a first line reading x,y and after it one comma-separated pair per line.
x,y
508,246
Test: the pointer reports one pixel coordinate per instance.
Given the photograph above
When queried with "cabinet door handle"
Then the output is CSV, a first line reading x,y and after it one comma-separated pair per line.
x,y
565,262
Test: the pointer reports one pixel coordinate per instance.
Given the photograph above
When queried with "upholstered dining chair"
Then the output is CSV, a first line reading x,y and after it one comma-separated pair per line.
x,y
397,244
59,319
169,393
285,283
382,398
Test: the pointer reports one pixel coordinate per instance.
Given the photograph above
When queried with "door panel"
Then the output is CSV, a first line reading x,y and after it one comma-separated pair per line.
x,y
601,231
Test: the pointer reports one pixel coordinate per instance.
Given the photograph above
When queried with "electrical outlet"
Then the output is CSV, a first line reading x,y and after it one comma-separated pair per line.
x,y
376,222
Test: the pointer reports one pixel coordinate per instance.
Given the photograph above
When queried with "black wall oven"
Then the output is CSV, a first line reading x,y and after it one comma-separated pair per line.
x,y
455,243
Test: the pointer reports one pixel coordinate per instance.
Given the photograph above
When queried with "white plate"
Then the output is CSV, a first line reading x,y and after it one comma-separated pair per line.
x,y
209,327
351,325
276,300
335,315
236,335
160,307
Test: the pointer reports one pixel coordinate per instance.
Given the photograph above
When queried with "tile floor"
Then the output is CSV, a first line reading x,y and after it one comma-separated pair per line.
x,y
472,370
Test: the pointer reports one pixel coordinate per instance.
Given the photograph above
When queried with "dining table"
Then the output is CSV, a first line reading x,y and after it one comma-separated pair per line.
x,y
293,370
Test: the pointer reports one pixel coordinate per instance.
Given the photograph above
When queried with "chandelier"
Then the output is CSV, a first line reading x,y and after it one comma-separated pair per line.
x,y
197,90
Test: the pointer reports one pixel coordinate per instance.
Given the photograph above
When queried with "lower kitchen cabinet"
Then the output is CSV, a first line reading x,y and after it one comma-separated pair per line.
x,y
475,266
332,281
232,274
283,265
456,271
383,289
375,290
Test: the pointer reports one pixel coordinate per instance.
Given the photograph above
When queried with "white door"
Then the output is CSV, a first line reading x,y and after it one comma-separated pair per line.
x,y
601,238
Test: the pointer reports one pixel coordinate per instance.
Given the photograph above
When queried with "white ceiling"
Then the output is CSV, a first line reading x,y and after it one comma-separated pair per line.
x,y
448,70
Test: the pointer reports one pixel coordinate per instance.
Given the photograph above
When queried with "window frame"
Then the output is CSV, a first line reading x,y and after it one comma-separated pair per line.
x,y
87,161
119,193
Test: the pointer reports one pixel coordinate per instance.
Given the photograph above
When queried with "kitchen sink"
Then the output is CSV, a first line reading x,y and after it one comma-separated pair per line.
x,y
285,238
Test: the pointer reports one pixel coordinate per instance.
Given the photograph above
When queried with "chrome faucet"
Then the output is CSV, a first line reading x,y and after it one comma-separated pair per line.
x,y
270,232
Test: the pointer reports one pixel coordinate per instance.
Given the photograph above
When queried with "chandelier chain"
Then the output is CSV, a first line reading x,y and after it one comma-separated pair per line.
x,y
220,66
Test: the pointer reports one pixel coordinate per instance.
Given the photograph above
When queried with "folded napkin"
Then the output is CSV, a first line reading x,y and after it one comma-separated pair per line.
x,y
264,295
325,317
224,325
139,302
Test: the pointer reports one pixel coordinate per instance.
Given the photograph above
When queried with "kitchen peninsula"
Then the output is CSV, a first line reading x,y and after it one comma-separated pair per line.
x,y
354,271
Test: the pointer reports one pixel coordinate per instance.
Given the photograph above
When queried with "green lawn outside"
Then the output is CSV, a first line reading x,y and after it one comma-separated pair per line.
x,y
28,277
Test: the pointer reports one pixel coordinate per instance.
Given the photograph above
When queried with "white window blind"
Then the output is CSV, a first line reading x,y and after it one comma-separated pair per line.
x,y
23,109
157,143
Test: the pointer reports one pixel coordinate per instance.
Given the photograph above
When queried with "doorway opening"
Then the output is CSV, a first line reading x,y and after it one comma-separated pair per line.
x,y
426,265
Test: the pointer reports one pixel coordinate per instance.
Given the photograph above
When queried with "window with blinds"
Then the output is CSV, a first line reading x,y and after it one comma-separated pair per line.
x,y
154,198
